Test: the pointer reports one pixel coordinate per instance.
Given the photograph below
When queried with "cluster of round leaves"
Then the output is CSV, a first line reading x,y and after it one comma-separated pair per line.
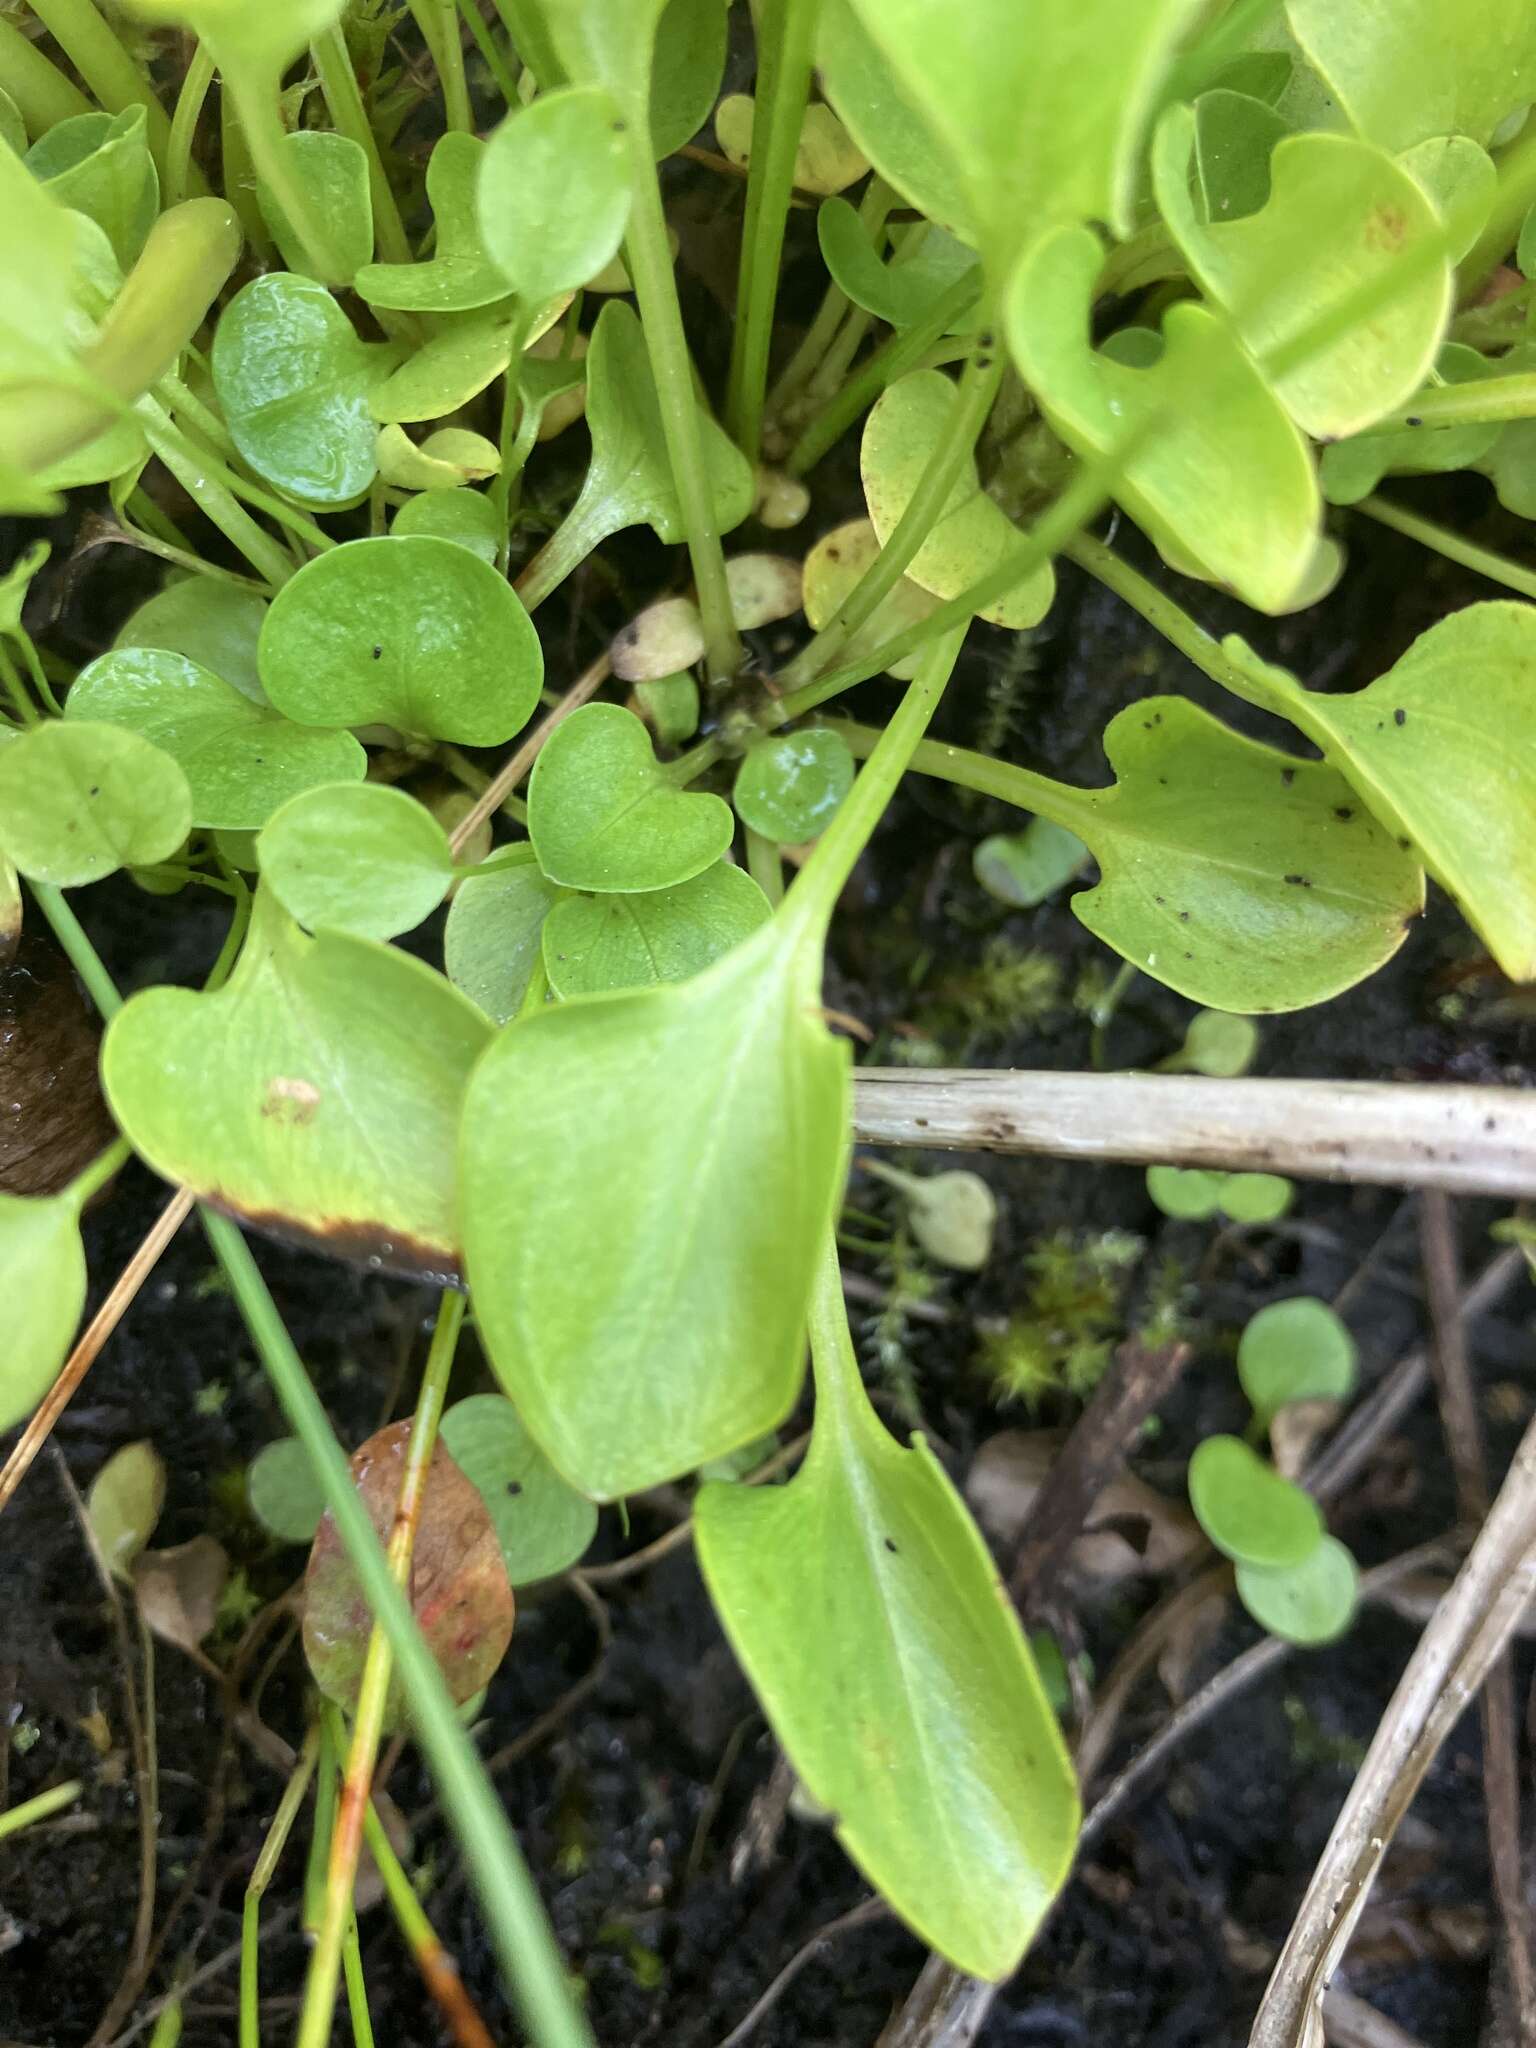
x,y
1295,1579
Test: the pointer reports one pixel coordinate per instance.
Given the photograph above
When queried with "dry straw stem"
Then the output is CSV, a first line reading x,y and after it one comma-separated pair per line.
x,y
1465,1140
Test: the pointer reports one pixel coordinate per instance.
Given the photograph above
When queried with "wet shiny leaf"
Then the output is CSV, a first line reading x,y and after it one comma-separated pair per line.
x,y
332,171
788,787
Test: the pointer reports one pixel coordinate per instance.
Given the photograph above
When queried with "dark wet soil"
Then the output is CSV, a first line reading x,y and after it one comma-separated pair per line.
x,y
634,1804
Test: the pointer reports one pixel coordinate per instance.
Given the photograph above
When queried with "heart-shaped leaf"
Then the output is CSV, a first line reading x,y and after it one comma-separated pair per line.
x,y
1039,107
78,801
362,858
629,479
1339,213
604,814
467,518
99,165
542,1525
788,787
241,760
1223,475
596,943
1443,750
283,1492
124,1504
459,1590
42,1271
1249,1512
293,379
1311,1602
214,623
1401,72
332,172
1022,869
832,568
1187,1193
315,1095
679,1332
494,931
911,418
1236,874
554,192
460,275
415,633
911,1710
1295,1350
903,291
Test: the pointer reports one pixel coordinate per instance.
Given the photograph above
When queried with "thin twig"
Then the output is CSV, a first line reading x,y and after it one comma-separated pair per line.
x,y
682,1535
823,1938
90,1342
502,784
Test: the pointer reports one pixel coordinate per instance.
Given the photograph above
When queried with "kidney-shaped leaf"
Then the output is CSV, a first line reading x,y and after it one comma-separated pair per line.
x,y
315,1095
595,943
42,1273
678,1332
789,786
417,633
1223,475
78,801
866,1611
214,623
292,379
554,192
362,858
1339,214
1295,1350
241,760
283,1492
542,1525
459,1590
1406,69
1251,1514
459,275
604,814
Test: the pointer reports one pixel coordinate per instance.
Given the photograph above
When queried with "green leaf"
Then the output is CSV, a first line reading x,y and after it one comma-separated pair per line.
x,y
1186,1193
124,1504
1296,1350
460,275
1461,182
903,291
670,707
1256,1197
542,1525
1352,469
468,518
1238,875
1402,70
13,129
292,380
596,943
1307,1603
1340,213
788,787
1443,750
1249,1512
42,1272
241,760
315,1095
100,165
604,814
459,1590
10,917
1232,138
678,1333
448,370
494,931
283,1492
832,568
415,633
262,39
1223,475
554,192
1217,1044
362,858
214,623
78,801
1040,107
451,457
888,122
911,418
332,172
1023,869
606,42
865,1609
686,68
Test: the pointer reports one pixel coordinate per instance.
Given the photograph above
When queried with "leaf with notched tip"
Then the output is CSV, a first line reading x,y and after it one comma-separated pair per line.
x,y
316,1095
459,1588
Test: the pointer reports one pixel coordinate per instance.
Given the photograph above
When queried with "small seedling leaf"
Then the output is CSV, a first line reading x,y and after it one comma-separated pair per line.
x,y
284,1494
124,1504
315,1095
542,1525
459,1590
78,801
494,931
788,788
1256,1197
241,760
953,1216
1023,869
359,858
99,164
414,633
1296,1350
596,943
1306,1603
1187,1193
178,1590
42,1274
1249,1512
604,815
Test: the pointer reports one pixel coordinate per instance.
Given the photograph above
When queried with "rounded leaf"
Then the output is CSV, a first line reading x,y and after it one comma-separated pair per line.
x,y
542,1525
124,1504
494,930
99,164
332,172
1296,1350
1186,1193
832,568
1249,1512
1256,1197
78,801
593,943
417,633
465,517
284,1494
554,191
788,788
1307,1603
42,1276
214,623
366,859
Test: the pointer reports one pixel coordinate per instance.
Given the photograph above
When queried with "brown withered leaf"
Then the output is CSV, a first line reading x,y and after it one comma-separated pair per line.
x,y
53,1121
1131,1530
459,1586
179,1589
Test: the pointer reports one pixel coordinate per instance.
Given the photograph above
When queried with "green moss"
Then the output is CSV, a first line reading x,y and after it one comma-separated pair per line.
x,y
1060,1341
